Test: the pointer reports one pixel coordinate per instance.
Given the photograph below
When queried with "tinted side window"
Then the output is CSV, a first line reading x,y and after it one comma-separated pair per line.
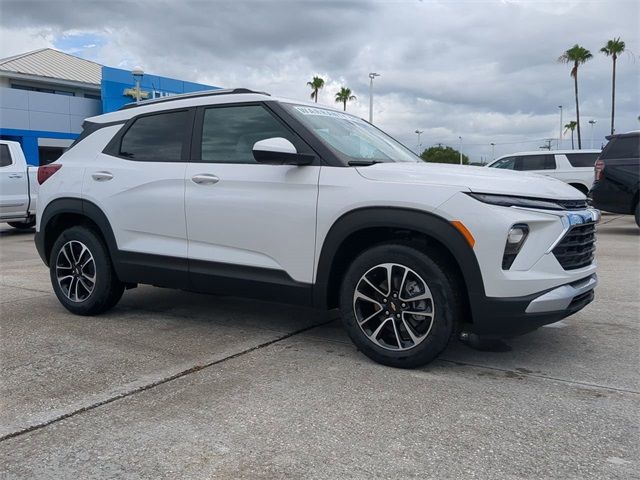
x,y
622,147
506,163
582,159
229,133
536,162
5,156
156,138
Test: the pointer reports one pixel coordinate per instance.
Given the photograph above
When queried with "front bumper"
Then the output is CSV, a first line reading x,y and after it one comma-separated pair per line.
x,y
505,317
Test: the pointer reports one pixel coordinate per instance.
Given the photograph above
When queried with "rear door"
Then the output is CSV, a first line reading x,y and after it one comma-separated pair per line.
x,y
248,220
138,181
14,188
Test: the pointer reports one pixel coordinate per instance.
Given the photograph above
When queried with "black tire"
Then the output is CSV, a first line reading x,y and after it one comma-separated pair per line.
x,y
30,223
107,289
446,304
638,214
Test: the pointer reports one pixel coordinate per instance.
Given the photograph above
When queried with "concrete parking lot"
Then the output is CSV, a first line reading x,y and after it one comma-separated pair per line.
x,y
171,384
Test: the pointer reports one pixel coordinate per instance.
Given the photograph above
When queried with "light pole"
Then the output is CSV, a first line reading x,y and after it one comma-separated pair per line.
x,y
372,75
419,132
593,124
560,136
460,138
493,151
137,73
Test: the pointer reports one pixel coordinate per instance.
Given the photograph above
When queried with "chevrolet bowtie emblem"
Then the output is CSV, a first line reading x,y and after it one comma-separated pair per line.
x,y
133,92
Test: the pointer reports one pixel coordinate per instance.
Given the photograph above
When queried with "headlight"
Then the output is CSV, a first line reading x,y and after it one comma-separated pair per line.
x,y
515,239
511,201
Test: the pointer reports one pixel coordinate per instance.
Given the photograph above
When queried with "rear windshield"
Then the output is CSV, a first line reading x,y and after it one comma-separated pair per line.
x,y
622,147
582,159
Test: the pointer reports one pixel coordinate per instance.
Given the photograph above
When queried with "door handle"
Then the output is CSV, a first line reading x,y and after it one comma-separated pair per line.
x,y
15,175
101,176
205,179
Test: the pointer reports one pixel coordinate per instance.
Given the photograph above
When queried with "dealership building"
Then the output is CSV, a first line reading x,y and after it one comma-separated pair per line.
x,y
45,95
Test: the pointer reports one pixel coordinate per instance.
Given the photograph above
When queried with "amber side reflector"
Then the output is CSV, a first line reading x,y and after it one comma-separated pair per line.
x,y
465,232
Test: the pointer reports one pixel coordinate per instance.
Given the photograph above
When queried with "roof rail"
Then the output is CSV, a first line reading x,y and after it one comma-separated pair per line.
x,y
180,96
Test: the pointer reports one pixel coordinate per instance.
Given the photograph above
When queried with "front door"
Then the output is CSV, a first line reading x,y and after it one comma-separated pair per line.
x,y
248,221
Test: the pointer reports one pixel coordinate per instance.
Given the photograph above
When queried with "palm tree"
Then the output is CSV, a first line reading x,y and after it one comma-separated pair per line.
x,y
316,84
570,126
344,96
612,49
577,55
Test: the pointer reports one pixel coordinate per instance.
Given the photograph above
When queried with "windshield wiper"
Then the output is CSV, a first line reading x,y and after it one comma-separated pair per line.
x,y
363,163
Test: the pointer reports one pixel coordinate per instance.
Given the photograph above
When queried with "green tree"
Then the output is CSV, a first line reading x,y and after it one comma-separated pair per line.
x,y
571,126
612,49
440,154
344,96
316,84
576,55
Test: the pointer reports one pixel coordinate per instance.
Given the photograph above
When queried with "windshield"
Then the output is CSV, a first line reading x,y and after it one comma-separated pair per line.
x,y
351,136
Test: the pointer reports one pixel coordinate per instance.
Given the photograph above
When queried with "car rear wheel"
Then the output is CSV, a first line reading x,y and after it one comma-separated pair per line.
x,y
399,305
638,214
82,274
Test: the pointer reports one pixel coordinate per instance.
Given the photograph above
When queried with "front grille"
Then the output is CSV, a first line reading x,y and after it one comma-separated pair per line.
x,y
572,204
577,248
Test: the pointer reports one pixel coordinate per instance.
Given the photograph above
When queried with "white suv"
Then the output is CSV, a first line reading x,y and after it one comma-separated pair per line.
x,y
574,167
237,192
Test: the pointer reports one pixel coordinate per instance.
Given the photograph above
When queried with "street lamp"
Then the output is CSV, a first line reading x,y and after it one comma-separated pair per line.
x,y
560,136
137,73
372,75
460,138
419,132
493,151
593,124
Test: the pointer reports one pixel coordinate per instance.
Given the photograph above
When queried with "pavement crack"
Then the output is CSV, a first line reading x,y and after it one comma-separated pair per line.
x,y
148,386
544,377
610,220
22,287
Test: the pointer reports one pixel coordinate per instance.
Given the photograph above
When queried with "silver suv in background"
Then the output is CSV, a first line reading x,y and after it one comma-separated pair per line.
x,y
574,167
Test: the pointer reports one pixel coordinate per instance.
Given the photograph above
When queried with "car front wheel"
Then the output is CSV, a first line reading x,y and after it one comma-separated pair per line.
x,y
81,273
399,305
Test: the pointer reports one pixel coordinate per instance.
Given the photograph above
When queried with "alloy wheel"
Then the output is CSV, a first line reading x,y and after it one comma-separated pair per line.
x,y
76,271
393,306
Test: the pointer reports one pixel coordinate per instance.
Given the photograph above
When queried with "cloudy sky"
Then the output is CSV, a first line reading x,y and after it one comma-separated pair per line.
x,y
483,70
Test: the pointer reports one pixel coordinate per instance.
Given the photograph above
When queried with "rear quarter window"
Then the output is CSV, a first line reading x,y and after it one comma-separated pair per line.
x,y
582,159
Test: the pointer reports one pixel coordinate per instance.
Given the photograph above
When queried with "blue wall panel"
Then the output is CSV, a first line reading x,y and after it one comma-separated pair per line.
x,y
115,81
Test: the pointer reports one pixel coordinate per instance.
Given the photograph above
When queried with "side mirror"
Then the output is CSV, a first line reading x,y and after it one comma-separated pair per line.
x,y
279,151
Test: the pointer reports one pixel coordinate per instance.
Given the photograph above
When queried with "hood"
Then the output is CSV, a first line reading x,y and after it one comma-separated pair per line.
x,y
475,179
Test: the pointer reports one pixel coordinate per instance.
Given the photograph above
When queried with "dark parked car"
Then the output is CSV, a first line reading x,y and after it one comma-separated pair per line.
x,y
617,175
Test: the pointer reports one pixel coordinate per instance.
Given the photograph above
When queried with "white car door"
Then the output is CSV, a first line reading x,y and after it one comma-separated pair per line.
x,y
244,218
139,184
14,188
